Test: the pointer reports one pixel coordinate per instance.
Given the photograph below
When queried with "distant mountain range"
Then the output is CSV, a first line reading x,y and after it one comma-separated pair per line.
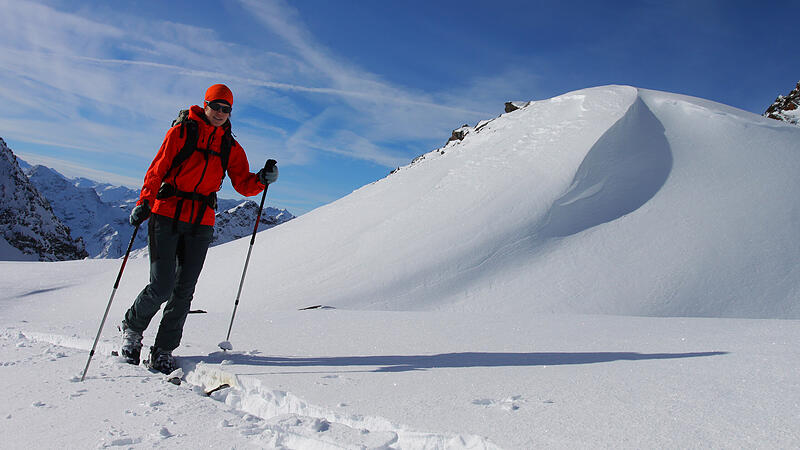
x,y
47,216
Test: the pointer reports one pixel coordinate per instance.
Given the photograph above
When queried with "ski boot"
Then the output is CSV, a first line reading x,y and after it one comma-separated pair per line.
x,y
131,345
161,361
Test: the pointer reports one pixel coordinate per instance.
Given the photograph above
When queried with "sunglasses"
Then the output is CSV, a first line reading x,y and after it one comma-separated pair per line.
x,y
220,107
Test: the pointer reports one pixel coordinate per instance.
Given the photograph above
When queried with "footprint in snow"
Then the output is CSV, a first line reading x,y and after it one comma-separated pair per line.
x,y
250,425
78,393
123,442
511,403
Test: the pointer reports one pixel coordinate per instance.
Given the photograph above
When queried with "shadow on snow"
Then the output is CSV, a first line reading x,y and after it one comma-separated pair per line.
x,y
404,363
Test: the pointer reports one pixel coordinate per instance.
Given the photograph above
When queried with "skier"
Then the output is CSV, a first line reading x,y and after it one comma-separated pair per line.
x,y
180,191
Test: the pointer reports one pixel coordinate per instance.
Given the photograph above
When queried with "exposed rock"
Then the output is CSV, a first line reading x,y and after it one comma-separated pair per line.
x,y
27,221
786,108
460,133
513,106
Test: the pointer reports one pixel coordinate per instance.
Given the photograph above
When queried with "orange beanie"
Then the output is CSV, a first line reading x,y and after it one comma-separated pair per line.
x,y
219,92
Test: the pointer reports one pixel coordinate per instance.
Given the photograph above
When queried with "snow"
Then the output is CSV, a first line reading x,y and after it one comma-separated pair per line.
x,y
10,253
614,267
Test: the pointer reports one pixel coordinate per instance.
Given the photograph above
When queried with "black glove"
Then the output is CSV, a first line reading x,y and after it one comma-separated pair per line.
x,y
139,214
268,175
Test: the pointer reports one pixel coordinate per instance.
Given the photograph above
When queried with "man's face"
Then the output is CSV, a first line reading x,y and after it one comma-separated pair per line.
x,y
217,118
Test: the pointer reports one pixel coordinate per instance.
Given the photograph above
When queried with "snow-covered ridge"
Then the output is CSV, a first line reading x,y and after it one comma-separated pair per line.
x,y
237,221
611,200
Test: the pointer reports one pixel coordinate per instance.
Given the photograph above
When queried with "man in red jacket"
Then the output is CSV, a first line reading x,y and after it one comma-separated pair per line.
x,y
181,195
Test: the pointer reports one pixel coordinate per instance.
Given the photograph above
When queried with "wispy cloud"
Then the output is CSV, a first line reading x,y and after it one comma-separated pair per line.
x,y
73,170
354,82
373,117
105,85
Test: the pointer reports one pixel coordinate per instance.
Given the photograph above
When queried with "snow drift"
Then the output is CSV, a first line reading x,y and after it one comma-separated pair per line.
x,y
612,200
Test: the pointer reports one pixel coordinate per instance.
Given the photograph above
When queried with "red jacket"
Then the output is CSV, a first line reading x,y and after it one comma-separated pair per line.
x,y
196,174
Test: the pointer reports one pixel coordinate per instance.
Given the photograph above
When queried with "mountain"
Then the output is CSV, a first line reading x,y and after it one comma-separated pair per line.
x,y
98,213
785,108
610,200
103,226
109,193
236,222
29,228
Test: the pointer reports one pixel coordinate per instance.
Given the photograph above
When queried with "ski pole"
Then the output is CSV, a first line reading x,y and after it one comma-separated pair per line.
x,y
225,345
113,292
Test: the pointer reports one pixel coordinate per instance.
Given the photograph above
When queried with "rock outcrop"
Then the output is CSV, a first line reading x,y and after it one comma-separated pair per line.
x,y
785,108
27,221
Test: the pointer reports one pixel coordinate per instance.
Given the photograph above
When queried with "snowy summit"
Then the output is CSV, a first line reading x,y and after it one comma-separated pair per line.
x,y
612,267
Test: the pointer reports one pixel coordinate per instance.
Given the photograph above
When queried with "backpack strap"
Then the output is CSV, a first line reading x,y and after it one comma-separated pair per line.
x,y
189,128
225,149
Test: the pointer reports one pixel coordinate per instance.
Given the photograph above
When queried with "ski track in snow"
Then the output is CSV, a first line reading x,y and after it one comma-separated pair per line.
x,y
262,416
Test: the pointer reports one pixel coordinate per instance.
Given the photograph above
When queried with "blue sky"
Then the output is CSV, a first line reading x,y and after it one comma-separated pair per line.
x,y
342,92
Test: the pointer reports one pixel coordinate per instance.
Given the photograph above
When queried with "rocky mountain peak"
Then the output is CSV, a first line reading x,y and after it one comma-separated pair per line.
x,y
27,222
785,108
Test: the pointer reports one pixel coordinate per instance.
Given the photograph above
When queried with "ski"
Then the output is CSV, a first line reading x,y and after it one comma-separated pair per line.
x,y
218,388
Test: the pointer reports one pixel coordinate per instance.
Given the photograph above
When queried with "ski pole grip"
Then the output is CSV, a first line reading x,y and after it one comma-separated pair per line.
x,y
270,165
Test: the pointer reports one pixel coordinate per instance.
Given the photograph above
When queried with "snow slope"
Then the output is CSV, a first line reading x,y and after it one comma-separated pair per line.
x,y
610,200
485,296
376,379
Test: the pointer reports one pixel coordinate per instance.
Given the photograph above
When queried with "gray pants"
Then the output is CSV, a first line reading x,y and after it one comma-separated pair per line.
x,y
176,259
